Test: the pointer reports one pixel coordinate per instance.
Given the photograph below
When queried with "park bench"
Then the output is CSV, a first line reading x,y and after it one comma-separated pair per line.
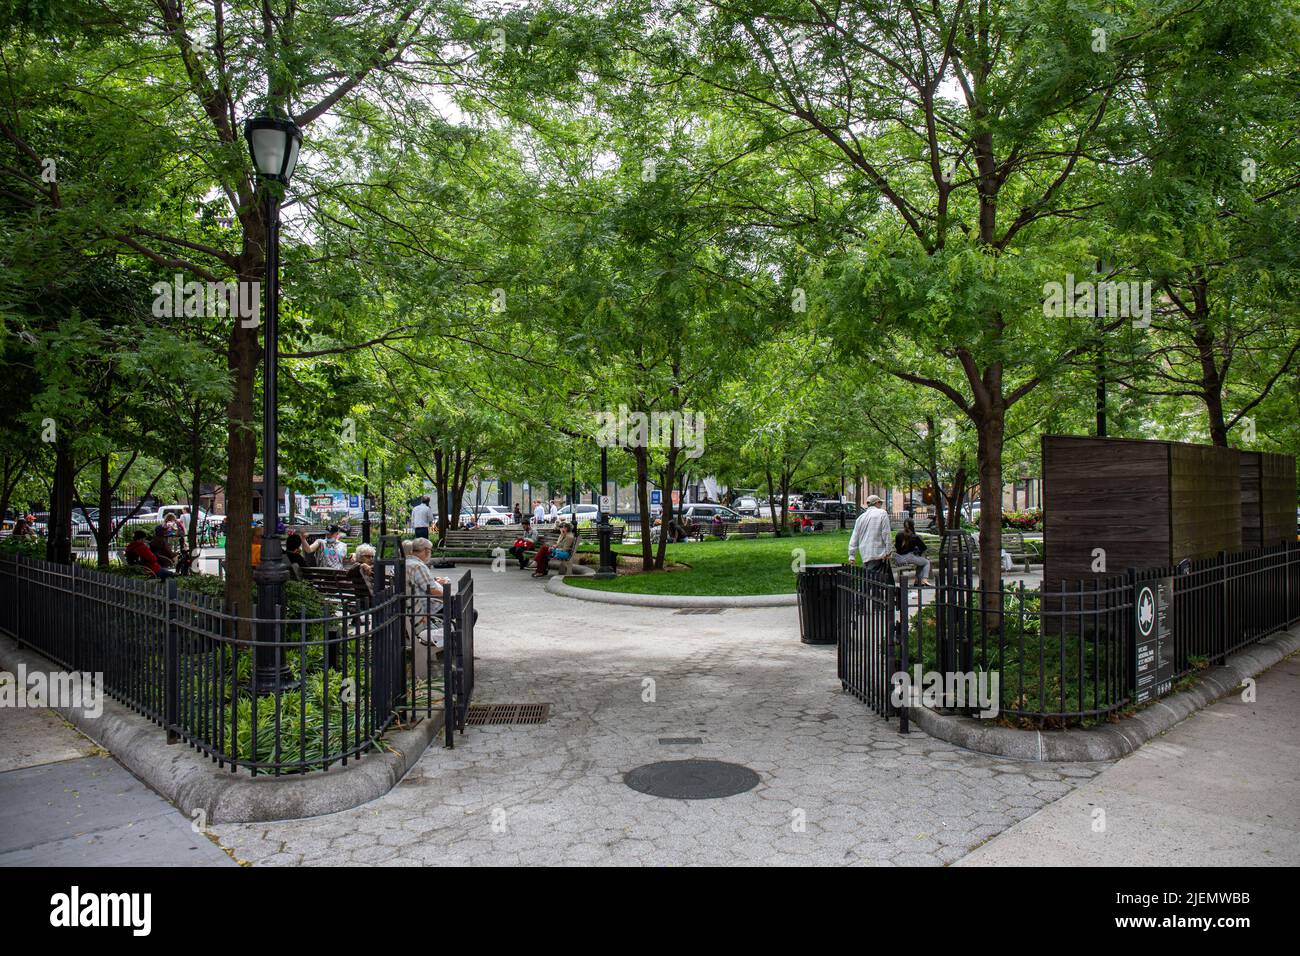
x,y
336,587
479,539
592,533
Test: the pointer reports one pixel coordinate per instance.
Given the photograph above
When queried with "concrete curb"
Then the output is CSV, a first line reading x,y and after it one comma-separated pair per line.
x,y
1114,740
558,587
193,782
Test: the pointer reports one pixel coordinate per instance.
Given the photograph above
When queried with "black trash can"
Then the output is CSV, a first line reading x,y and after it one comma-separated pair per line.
x,y
818,603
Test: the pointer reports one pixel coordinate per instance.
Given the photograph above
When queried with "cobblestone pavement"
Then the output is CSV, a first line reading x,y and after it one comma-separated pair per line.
x,y
839,786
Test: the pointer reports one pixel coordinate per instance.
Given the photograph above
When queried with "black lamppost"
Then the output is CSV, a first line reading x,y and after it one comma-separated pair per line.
x,y
841,492
383,499
365,500
606,569
274,145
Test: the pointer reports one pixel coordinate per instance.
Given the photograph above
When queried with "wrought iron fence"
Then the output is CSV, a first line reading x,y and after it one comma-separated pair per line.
x,y
187,662
1060,655
1068,652
458,656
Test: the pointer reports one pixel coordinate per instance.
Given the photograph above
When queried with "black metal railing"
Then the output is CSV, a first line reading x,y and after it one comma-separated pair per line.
x,y
1066,653
458,656
186,661
1059,655
872,619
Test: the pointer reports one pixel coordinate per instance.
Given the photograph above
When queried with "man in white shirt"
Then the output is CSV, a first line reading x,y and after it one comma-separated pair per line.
x,y
870,538
539,513
421,518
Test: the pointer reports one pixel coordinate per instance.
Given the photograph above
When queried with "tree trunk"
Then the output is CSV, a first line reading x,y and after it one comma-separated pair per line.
x,y
957,498
641,457
771,494
670,477
58,546
104,526
241,450
991,430
196,488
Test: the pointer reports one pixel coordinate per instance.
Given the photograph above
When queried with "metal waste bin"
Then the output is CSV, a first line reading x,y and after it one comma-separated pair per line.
x,y
818,603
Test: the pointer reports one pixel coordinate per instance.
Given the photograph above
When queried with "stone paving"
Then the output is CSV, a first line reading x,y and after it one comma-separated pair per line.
x,y
839,785
64,802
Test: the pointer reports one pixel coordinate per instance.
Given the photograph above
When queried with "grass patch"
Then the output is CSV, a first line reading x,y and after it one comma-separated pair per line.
x,y
734,566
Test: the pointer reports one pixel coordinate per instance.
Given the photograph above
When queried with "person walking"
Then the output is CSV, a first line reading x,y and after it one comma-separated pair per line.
x,y
870,539
539,513
421,518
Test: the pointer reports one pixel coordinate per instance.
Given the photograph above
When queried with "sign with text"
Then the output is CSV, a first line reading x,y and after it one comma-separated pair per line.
x,y
1153,648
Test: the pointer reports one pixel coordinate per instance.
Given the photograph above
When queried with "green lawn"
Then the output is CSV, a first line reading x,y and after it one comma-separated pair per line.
x,y
737,566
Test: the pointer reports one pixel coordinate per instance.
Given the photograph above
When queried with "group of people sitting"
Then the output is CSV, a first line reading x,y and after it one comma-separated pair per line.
x,y
530,541
156,553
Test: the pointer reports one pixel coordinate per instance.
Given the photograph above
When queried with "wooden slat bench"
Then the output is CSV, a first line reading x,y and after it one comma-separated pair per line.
x,y
336,587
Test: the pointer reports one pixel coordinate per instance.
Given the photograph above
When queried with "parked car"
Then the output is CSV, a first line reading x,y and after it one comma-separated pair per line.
x,y
702,514
746,505
489,516
585,513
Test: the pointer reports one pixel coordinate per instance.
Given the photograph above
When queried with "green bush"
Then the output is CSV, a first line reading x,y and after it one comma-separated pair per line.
x,y
28,545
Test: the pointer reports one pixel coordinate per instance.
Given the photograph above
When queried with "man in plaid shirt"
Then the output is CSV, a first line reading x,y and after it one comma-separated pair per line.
x,y
421,583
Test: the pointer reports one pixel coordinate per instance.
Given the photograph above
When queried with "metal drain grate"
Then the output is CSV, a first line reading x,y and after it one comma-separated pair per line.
x,y
701,610
502,714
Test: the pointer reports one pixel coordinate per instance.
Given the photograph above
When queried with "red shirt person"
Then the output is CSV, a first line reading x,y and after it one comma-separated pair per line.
x,y
140,551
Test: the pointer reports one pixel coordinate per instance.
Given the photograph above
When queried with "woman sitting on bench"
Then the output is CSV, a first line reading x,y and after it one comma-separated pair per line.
x,y
526,542
910,549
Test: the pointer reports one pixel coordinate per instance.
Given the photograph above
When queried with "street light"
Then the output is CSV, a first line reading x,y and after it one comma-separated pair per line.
x,y
606,569
273,144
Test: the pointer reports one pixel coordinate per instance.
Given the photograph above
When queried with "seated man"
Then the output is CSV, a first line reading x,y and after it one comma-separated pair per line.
x,y
426,590
527,541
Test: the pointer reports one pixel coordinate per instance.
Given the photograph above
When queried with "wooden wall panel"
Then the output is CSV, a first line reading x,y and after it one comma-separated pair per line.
x,y
1205,496
1104,493
1251,515
1277,498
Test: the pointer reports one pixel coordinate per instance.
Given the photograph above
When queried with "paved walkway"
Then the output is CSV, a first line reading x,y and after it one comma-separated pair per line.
x,y
1222,788
64,802
839,786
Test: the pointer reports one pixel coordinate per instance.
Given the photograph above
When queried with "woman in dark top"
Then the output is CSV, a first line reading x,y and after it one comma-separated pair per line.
x,y
910,549
161,549
293,554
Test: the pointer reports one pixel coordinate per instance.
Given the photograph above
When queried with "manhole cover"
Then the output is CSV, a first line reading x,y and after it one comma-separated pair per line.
x,y
691,779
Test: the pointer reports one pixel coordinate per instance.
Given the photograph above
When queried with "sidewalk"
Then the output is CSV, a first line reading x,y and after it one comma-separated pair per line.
x,y
63,802
1222,788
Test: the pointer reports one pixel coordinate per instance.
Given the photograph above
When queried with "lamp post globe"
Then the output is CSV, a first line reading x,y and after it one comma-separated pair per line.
x,y
273,145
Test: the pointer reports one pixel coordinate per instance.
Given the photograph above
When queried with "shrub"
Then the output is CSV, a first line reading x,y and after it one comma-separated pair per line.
x,y
1031,520
28,545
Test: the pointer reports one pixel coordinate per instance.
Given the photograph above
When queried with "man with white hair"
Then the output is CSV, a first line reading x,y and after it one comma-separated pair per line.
x,y
870,538
427,592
